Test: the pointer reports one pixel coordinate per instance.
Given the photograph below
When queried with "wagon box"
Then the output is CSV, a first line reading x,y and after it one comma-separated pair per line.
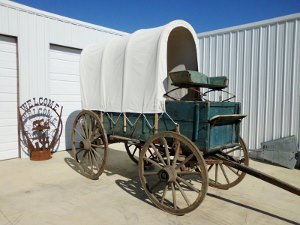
x,y
198,121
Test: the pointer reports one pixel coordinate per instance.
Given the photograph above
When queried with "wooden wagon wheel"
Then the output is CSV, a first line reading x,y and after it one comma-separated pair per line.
x,y
133,150
223,176
177,180
89,144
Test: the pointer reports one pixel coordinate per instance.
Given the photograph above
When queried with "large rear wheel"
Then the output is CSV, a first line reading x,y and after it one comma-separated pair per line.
x,y
89,144
175,179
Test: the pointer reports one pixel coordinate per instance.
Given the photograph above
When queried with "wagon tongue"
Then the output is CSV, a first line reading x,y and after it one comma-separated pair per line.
x,y
263,176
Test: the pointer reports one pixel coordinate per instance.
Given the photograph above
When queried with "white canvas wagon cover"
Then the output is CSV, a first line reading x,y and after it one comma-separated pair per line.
x,y
129,73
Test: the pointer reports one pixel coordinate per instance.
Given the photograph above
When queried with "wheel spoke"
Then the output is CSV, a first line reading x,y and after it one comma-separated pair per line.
x,y
235,172
79,152
183,194
154,186
84,154
96,146
174,196
86,125
158,154
150,173
185,161
96,137
76,131
176,154
166,150
92,134
224,173
82,127
210,167
97,154
164,194
91,160
153,162
188,184
94,160
134,151
151,154
216,173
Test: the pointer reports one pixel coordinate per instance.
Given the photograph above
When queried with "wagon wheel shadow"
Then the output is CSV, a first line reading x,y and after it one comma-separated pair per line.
x,y
252,208
119,164
133,187
74,165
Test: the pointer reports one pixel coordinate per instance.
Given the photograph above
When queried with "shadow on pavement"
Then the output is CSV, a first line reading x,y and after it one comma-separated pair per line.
x,y
134,188
118,163
252,208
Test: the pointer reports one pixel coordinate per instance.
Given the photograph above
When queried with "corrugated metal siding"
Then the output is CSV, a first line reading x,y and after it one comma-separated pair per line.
x,y
262,63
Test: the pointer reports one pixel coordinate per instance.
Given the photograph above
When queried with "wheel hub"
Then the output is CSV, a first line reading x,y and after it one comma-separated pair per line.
x,y
86,144
167,174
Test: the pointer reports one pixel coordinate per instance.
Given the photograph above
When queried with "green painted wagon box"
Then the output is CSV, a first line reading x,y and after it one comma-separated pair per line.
x,y
194,119
138,126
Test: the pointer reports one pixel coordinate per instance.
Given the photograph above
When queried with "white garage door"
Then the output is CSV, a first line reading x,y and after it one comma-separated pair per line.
x,y
8,98
65,87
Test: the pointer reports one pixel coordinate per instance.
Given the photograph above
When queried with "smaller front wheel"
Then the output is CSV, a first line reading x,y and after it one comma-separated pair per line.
x,y
176,180
89,144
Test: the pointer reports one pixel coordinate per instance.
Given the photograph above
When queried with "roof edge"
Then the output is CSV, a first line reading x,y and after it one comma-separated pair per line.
x,y
38,12
251,25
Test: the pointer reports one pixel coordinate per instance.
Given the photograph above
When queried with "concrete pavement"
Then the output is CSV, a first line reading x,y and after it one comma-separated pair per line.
x,y
52,192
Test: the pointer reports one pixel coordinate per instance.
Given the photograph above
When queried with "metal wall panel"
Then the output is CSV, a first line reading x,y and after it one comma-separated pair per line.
x,y
262,62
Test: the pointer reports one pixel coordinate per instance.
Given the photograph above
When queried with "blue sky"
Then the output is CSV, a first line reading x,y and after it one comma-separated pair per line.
x,y
203,15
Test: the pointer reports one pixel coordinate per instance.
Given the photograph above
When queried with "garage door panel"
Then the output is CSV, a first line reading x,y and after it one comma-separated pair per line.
x,y
8,85
6,122
65,87
8,60
64,67
8,110
5,72
6,46
8,134
67,56
8,150
5,97
8,98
